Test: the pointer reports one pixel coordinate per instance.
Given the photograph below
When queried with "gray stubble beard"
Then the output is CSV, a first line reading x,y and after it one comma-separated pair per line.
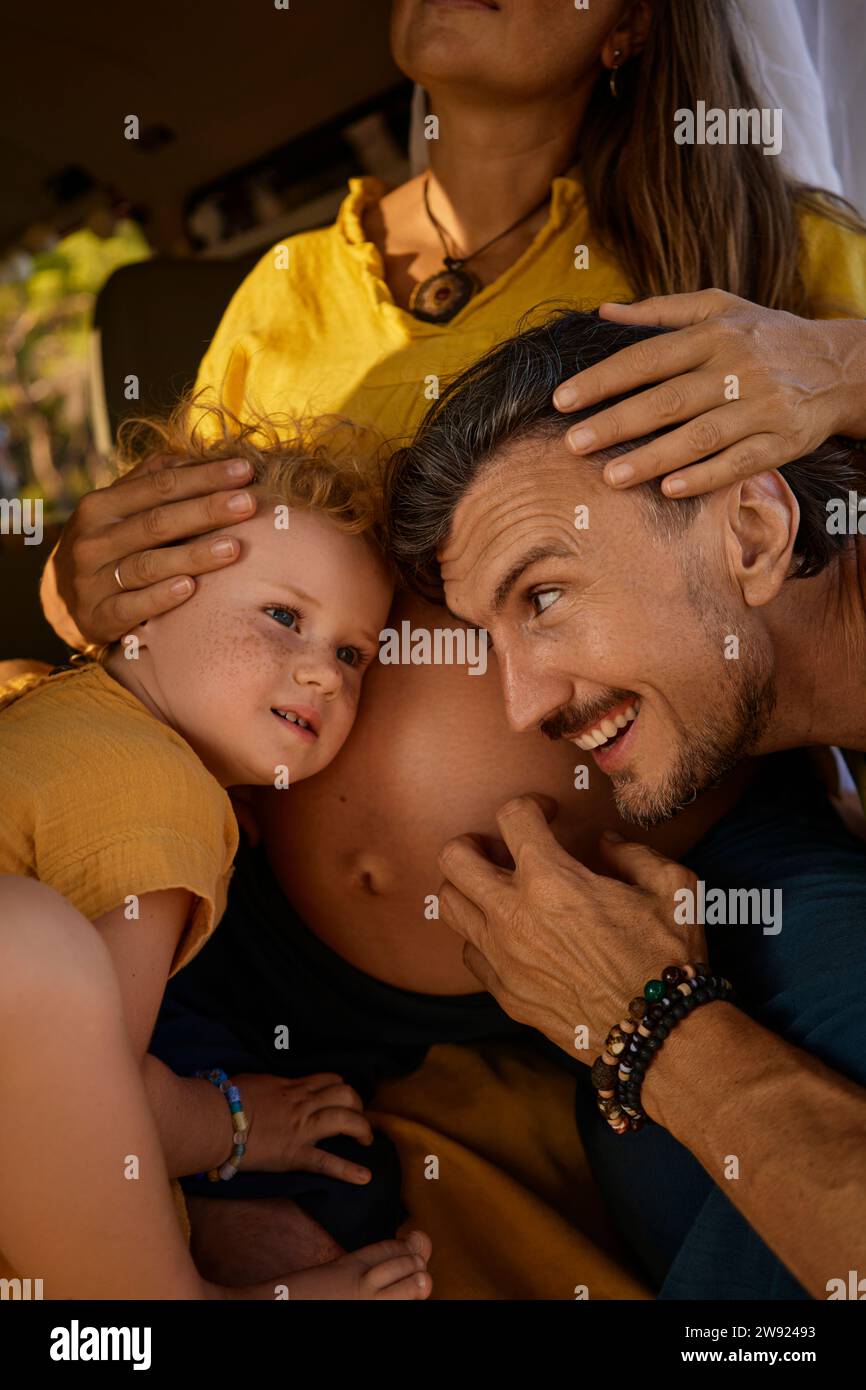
x,y
714,748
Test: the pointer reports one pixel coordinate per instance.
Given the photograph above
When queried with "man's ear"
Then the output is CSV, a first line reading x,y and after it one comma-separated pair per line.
x,y
762,517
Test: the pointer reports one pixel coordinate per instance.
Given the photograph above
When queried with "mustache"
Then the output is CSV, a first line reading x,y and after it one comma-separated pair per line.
x,y
573,717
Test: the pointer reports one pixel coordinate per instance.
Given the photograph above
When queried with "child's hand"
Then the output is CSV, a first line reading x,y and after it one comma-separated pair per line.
x,y
287,1118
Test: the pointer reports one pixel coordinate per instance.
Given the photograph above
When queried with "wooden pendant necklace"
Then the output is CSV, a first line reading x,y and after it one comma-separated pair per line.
x,y
438,298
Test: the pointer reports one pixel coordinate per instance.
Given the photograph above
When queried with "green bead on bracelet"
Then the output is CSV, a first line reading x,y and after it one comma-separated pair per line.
x,y
632,1043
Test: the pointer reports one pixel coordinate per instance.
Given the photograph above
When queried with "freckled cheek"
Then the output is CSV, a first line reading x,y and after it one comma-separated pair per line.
x,y
237,668
345,709
265,656
350,695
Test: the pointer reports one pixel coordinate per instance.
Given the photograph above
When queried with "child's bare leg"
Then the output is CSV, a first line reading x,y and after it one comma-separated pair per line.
x,y
74,1098
250,1240
75,1105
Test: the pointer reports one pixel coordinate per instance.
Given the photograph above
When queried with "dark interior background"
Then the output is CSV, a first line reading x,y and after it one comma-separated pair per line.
x,y
118,255
216,83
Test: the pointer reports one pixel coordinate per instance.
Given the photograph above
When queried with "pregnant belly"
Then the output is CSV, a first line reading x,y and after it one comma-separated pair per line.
x,y
430,756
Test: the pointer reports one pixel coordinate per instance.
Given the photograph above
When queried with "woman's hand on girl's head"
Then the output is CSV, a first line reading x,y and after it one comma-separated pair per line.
x,y
751,389
128,527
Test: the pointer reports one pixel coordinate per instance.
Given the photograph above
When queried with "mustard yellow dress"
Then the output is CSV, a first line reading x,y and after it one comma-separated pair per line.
x,y
102,801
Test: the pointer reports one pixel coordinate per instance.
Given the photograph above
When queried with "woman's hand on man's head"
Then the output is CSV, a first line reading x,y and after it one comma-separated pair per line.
x,y
750,388
131,529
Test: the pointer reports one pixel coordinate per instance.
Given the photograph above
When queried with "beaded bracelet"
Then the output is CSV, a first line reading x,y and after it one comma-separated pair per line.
x,y
240,1127
632,1043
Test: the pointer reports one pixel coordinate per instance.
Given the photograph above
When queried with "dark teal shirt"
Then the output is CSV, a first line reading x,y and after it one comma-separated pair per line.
x,y
807,983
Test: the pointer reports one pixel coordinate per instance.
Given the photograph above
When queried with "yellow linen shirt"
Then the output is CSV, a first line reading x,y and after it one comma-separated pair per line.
x,y
314,328
102,801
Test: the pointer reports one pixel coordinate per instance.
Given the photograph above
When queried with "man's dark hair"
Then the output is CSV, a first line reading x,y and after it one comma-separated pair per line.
x,y
506,397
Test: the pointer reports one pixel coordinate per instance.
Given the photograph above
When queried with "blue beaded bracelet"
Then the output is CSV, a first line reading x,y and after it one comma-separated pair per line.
x,y
240,1126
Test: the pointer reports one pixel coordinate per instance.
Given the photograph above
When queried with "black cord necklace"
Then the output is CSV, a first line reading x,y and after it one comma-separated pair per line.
x,y
438,298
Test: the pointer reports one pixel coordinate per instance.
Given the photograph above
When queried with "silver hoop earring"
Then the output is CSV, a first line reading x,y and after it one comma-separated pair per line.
x,y
617,53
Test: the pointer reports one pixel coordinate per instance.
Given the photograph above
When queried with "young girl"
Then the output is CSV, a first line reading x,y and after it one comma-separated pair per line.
x,y
113,780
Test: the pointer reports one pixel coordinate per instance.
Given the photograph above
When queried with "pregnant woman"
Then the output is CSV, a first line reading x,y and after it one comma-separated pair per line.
x,y
553,175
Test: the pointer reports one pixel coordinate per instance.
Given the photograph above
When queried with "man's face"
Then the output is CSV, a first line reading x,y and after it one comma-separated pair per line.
x,y
606,632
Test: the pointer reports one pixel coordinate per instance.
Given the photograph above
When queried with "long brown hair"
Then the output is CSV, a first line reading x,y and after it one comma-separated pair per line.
x,y
685,217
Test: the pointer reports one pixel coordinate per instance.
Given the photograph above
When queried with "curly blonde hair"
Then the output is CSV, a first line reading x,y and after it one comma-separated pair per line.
x,y
324,464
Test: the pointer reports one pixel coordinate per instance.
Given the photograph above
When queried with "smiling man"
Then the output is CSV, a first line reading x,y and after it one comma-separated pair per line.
x,y
664,637
667,640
